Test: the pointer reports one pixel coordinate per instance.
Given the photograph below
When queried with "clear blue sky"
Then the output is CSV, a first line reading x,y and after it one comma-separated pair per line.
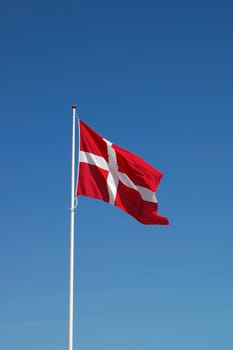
x,y
154,77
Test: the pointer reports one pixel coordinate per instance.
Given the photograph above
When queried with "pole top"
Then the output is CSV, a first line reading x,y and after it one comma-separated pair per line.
x,y
74,106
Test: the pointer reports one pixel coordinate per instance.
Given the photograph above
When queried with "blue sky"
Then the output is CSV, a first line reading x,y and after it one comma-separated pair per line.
x,y
156,79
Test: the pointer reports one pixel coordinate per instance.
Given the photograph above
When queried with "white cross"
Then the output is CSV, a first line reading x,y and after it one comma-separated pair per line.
x,y
114,175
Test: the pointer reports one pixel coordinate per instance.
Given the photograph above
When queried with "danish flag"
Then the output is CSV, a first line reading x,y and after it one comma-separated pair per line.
x,y
118,177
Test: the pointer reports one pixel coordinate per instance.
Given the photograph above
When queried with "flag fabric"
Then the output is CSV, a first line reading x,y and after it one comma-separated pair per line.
x,y
118,177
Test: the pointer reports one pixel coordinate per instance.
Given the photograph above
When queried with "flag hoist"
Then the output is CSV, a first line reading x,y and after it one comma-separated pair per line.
x,y
114,175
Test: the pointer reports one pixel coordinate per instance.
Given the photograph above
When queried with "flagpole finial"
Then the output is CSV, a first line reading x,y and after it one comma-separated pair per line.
x,y
74,106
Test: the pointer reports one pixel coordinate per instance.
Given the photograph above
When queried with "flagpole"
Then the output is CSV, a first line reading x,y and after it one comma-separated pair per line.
x,y
72,208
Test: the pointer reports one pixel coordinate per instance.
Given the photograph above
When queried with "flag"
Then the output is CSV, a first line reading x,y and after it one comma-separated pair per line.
x,y
118,177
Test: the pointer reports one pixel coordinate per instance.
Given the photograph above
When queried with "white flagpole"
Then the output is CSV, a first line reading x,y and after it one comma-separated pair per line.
x,y
72,208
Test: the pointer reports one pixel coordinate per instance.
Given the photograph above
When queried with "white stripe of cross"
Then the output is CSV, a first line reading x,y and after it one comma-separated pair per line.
x,y
114,175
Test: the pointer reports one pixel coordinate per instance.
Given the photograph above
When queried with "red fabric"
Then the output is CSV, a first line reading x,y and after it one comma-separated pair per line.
x,y
92,180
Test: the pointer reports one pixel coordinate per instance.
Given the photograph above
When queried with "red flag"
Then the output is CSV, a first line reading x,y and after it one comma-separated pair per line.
x,y
118,177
